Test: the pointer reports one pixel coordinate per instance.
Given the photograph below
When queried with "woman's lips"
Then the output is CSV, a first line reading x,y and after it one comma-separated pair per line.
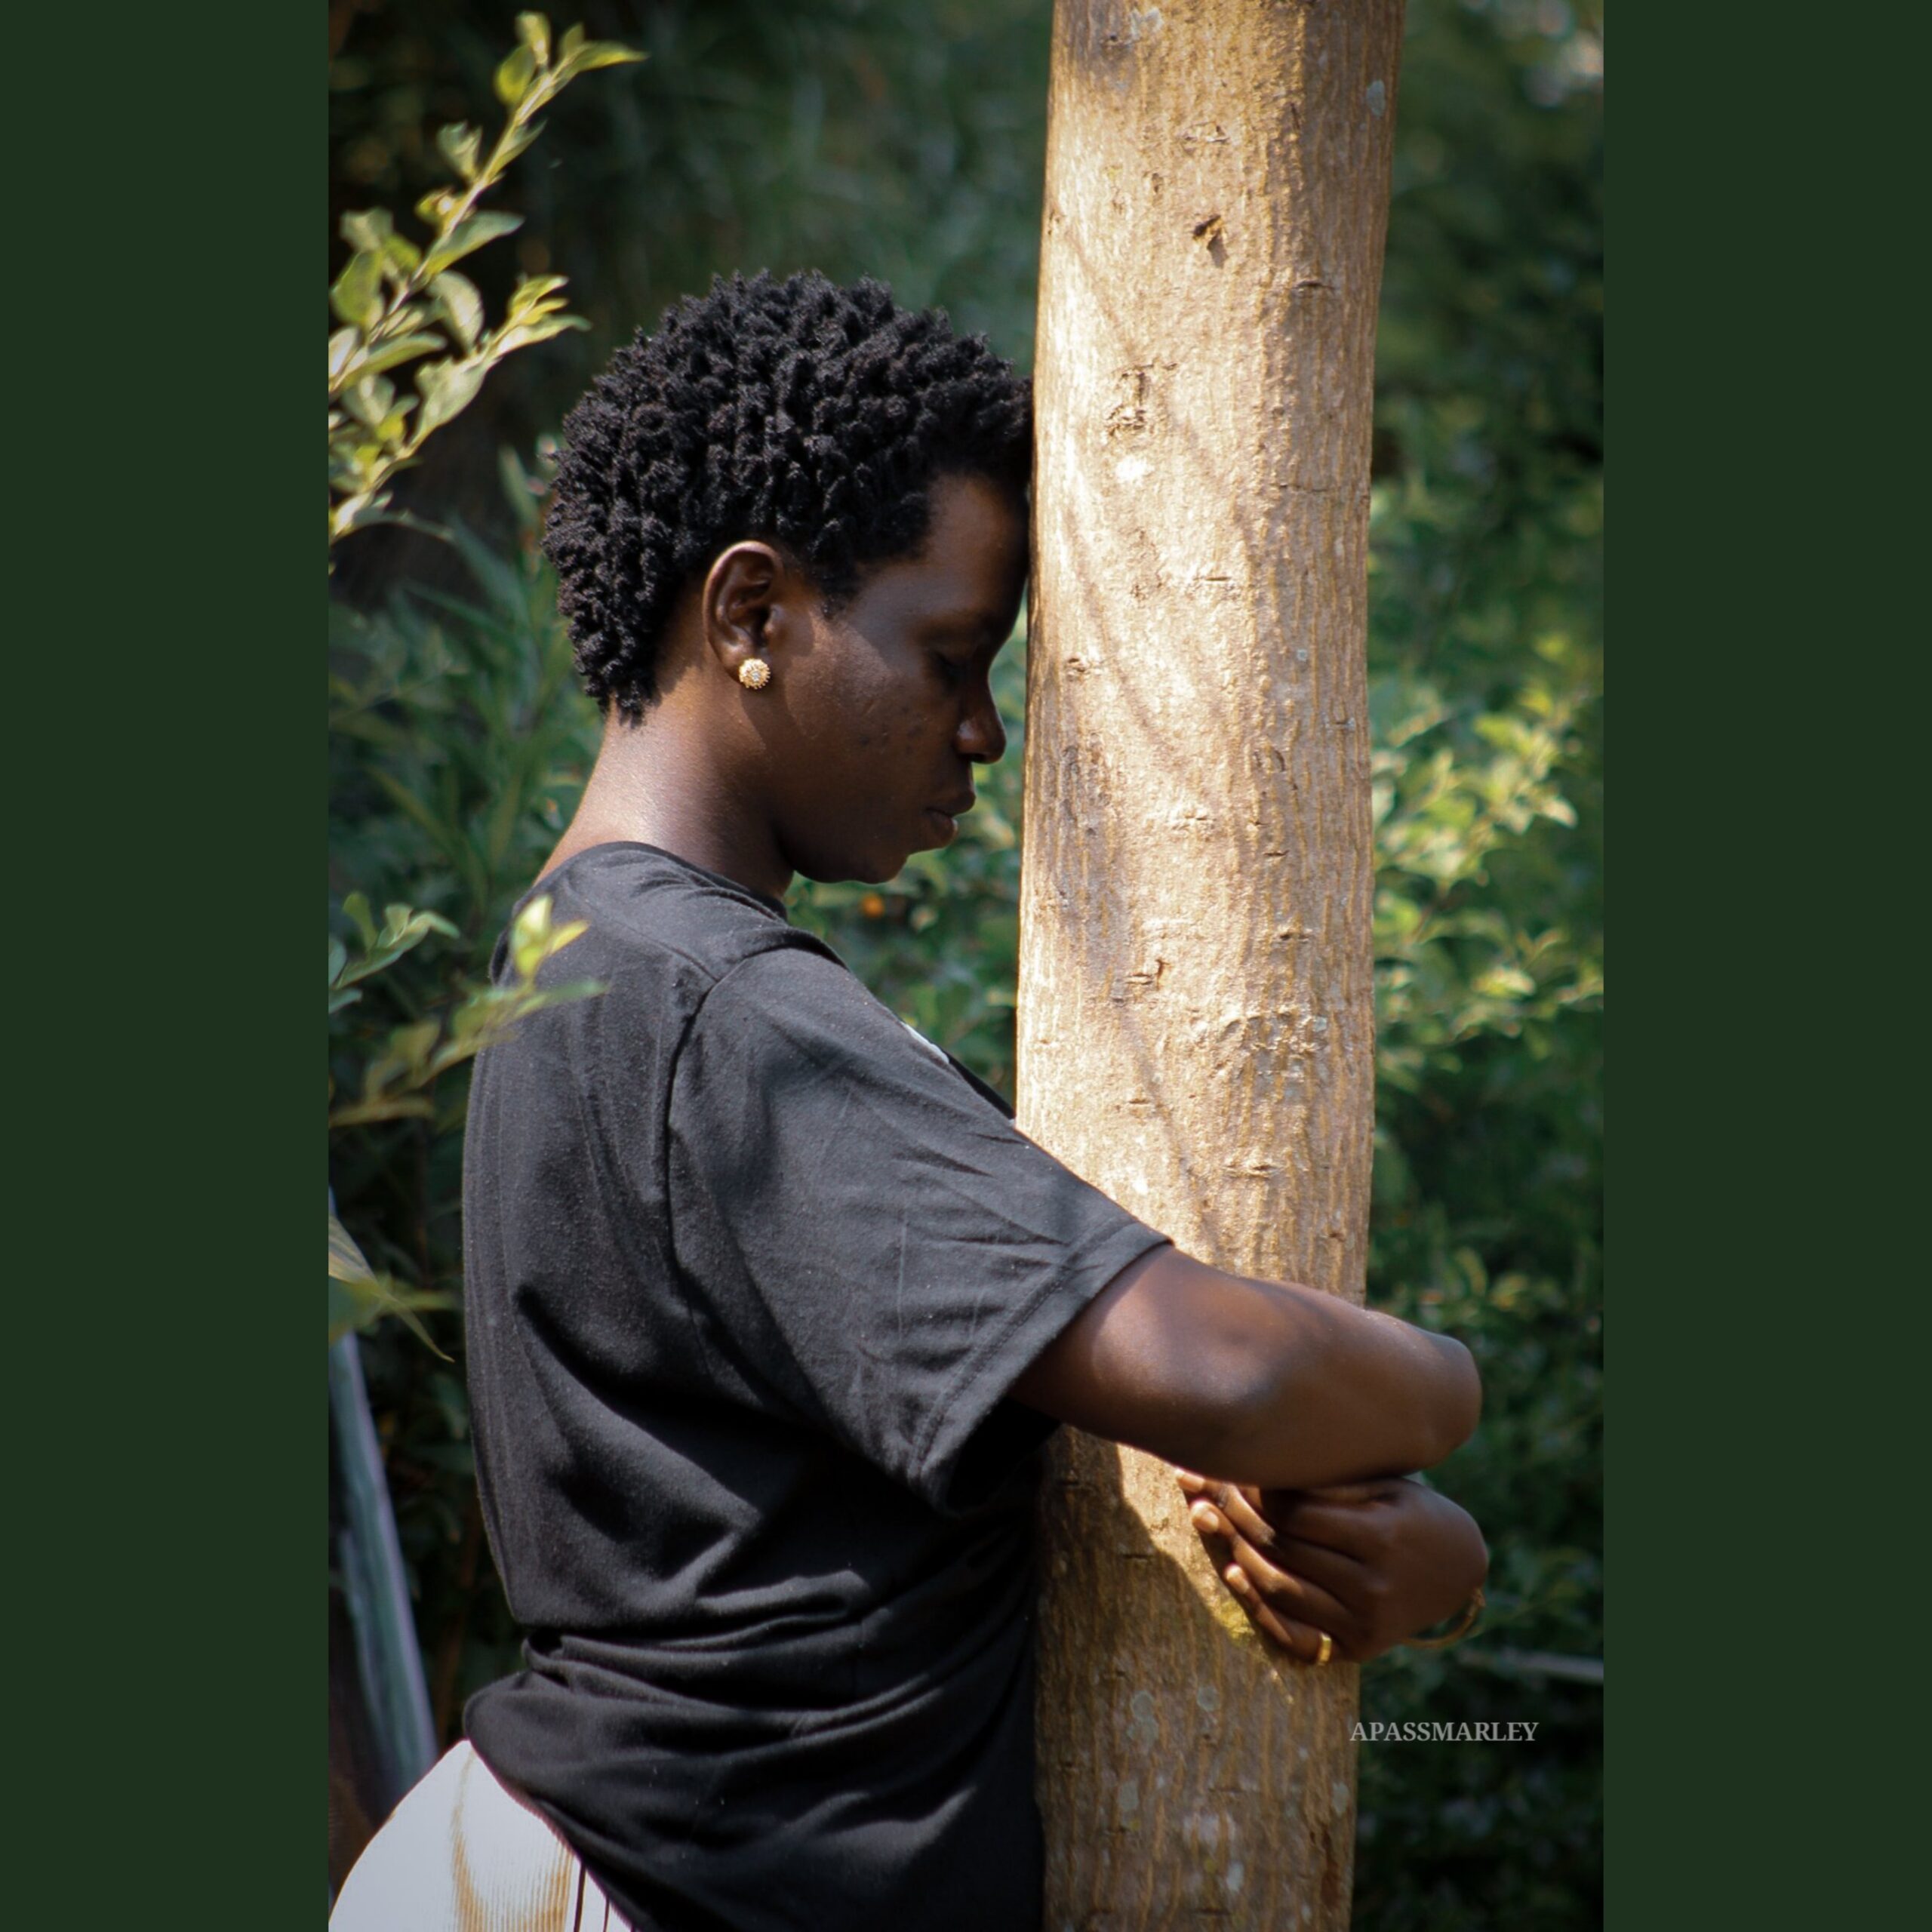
x,y
947,817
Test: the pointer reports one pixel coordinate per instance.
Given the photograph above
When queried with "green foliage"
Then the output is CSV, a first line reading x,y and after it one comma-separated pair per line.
x,y
1485,631
399,1078
459,745
401,930
386,296
1457,787
456,725
903,139
359,1297
394,295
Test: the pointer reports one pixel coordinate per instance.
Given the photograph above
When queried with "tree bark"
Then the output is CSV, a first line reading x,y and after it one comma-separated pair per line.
x,y
1196,999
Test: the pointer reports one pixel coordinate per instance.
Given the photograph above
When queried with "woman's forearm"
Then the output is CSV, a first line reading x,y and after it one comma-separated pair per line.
x,y
1255,1381
1339,1394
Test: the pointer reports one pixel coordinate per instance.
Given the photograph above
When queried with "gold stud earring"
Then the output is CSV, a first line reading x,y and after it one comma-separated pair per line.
x,y
754,674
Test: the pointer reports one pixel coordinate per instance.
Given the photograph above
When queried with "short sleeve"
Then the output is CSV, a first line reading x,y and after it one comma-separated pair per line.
x,y
868,1237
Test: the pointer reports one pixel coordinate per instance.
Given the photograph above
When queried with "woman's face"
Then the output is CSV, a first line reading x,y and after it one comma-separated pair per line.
x,y
887,708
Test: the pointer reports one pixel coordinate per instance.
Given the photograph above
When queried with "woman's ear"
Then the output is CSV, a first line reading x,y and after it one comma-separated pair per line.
x,y
743,588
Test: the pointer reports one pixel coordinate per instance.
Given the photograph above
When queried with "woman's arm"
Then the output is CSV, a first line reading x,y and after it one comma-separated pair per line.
x,y
1266,1383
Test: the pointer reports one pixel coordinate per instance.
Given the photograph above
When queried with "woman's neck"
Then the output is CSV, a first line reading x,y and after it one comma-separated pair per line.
x,y
654,784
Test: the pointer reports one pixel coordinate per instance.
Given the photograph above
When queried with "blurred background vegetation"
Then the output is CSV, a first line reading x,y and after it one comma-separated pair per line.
x,y
906,141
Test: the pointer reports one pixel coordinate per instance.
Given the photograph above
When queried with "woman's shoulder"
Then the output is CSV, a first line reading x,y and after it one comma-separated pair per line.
x,y
647,912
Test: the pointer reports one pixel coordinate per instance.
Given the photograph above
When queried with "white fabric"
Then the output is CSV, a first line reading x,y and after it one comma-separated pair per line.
x,y
463,1853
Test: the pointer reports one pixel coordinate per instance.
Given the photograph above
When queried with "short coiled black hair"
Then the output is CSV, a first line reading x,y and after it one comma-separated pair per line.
x,y
798,413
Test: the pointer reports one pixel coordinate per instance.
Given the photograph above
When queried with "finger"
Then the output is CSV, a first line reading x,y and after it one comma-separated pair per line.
x,y
1303,1641
1272,1581
1212,1529
1353,1530
1273,1529
1283,1591
1290,1594
1245,1510
1339,1518
1224,1511
1339,1574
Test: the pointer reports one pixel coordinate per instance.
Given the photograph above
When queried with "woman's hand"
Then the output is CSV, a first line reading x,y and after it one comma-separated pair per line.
x,y
1367,1564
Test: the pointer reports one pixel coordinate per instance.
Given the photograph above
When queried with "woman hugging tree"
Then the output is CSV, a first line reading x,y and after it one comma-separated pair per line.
x,y
770,1308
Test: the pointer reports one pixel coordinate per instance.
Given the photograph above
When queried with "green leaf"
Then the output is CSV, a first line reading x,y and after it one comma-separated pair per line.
x,y
358,511
534,30
525,335
460,145
514,140
367,1113
515,75
400,257
341,345
356,908
469,235
356,294
358,1300
405,316
447,388
533,939
367,230
410,1047
396,350
604,55
370,398
532,291
461,305
404,928
403,925
346,1262
530,936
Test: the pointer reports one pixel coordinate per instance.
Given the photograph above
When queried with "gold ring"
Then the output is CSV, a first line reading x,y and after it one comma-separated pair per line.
x,y
1327,1651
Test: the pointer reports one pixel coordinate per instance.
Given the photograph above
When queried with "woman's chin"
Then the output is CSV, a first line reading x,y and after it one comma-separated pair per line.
x,y
871,868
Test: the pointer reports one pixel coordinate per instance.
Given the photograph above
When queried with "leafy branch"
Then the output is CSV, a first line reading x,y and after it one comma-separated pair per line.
x,y
359,1297
403,928
1453,960
396,1082
399,303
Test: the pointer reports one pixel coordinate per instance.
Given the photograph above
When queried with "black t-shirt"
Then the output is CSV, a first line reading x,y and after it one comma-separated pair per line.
x,y
750,1268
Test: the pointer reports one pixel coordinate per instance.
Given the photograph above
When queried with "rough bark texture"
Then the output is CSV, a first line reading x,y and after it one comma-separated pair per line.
x,y
1196,1005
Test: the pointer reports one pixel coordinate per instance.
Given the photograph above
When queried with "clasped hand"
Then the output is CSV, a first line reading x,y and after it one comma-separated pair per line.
x,y
1367,1563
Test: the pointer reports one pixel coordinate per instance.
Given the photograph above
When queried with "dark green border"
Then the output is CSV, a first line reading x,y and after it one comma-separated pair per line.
x,y
1766,452
165,1585
168,760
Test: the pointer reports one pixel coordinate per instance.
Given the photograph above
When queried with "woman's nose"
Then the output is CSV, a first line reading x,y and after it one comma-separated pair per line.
x,y
981,736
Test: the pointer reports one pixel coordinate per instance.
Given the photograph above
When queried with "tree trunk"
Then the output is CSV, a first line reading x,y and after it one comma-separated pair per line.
x,y
1196,999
